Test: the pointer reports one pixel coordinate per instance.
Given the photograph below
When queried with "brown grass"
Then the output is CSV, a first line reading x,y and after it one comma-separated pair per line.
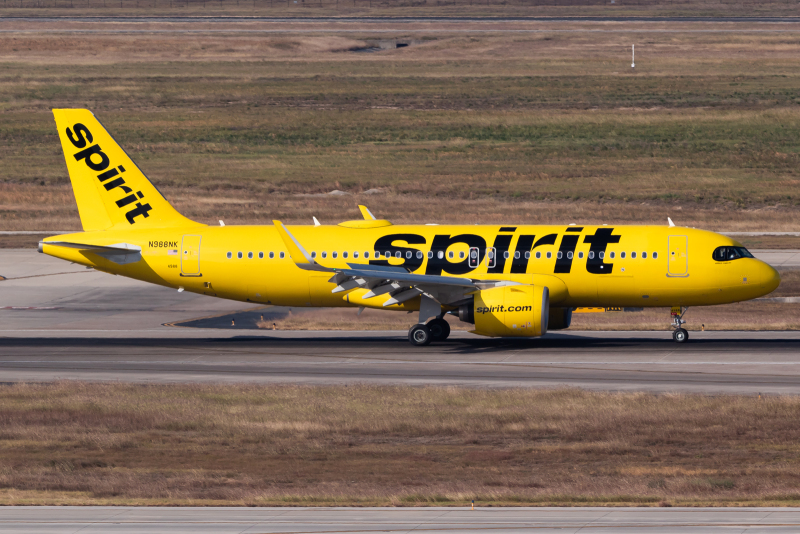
x,y
510,128
78,443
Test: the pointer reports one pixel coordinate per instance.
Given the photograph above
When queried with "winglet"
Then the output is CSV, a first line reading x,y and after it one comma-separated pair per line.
x,y
368,216
299,255
671,224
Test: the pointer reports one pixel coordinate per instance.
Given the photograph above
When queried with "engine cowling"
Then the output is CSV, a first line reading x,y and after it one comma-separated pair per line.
x,y
509,311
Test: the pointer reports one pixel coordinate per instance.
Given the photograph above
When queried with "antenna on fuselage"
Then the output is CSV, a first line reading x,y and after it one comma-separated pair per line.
x,y
316,222
671,224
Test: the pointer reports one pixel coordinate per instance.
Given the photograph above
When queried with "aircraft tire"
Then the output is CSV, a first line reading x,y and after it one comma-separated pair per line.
x,y
420,335
440,329
680,335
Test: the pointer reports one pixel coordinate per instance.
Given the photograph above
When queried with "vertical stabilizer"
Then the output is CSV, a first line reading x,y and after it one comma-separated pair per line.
x,y
111,191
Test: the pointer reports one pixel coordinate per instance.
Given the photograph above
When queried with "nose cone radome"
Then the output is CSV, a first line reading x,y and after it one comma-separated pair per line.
x,y
770,279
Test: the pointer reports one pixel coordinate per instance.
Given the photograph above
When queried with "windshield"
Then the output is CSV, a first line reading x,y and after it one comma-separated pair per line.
x,y
730,253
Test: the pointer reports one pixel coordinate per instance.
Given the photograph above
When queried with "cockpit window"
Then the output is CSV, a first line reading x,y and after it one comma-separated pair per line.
x,y
730,253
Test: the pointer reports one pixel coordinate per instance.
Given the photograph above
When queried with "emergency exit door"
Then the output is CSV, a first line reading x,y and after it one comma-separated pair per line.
x,y
190,255
677,256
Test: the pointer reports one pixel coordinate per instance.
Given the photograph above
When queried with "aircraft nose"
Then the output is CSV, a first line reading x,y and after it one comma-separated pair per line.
x,y
770,278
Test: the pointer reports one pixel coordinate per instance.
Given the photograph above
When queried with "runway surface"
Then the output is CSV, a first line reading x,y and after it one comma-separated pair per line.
x,y
383,20
63,321
90,519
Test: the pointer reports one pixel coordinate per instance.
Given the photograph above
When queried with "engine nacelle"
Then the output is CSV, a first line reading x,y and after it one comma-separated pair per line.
x,y
509,311
559,319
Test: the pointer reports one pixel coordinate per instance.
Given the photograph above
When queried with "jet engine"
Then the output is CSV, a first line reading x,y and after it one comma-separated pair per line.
x,y
509,311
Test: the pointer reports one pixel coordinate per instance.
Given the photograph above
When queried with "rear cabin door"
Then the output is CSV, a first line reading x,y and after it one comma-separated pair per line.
x,y
678,259
190,255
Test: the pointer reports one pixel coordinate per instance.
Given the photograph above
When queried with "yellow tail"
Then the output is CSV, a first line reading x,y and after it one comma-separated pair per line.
x,y
110,189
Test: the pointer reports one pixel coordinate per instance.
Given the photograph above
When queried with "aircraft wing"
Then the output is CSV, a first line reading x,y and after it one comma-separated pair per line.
x,y
397,281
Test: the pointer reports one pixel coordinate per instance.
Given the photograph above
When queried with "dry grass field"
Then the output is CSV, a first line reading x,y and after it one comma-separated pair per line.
x,y
488,127
79,443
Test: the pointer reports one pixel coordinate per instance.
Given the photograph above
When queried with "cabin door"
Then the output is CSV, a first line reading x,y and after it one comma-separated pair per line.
x,y
190,255
678,259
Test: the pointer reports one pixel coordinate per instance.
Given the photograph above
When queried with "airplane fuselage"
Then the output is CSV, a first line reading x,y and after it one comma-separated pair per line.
x,y
641,266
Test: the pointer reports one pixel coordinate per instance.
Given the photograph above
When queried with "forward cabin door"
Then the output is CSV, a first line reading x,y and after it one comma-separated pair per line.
x,y
678,259
190,255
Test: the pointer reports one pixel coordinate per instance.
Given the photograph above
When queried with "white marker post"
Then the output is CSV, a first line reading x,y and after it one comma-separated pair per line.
x,y
633,56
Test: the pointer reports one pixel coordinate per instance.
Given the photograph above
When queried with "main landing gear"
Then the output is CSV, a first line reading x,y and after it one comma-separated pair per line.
x,y
680,334
437,329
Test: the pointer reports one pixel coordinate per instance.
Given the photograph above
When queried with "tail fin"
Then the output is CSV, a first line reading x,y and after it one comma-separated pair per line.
x,y
109,188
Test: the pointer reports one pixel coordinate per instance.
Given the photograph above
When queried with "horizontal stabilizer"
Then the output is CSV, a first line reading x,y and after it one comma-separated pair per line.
x,y
119,253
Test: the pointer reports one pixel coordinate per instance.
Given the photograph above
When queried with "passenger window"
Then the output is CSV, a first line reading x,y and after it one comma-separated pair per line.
x,y
612,255
633,255
419,254
324,254
622,255
366,255
230,255
398,254
591,254
239,255
334,254
601,255
450,254
260,255
271,255
644,255
344,254
527,254
313,254
249,255
430,254
655,255
283,255
516,255
440,254
569,255
549,255
461,255
387,255
559,255
538,255
355,255
408,254
506,254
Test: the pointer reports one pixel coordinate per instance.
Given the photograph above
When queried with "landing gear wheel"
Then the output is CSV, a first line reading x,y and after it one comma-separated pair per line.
x,y
420,335
439,328
680,335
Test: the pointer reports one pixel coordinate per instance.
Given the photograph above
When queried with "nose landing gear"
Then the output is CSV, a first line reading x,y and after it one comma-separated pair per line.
x,y
680,334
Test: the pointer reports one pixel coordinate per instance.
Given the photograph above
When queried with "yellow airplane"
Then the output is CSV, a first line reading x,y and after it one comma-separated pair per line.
x,y
509,281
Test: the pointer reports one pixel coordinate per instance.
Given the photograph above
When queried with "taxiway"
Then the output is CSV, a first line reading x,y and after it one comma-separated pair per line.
x,y
61,321
91,519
